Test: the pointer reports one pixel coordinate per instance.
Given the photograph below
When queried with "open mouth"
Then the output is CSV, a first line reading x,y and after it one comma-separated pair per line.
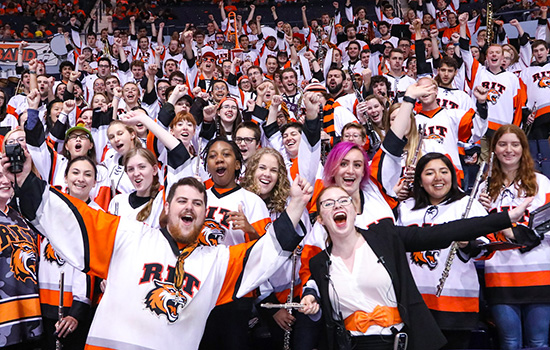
x,y
264,181
348,181
78,147
291,143
187,218
340,218
220,171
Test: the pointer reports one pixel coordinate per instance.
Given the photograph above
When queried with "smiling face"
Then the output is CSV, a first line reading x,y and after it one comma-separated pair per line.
x,y
141,172
185,212
222,163
494,57
266,175
130,93
375,111
436,179
228,112
350,172
184,131
219,91
338,219
291,141
80,179
508,150
120,138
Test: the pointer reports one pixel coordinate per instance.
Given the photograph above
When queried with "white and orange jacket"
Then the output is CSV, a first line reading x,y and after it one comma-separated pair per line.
x,y
458,305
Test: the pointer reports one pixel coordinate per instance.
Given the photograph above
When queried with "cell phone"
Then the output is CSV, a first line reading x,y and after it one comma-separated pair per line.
x,y
401,341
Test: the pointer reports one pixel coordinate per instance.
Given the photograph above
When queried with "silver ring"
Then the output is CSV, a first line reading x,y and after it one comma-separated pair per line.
x,y
70,329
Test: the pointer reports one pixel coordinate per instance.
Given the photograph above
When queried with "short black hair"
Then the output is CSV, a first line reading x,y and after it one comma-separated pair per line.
x,y
236,151
65,64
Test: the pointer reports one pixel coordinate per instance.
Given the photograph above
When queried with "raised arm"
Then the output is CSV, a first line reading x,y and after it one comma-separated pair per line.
x,y
305,23
251,13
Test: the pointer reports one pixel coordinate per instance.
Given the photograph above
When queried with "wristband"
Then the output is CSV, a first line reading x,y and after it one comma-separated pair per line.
x,y
32,72
118,98
72,81
409,99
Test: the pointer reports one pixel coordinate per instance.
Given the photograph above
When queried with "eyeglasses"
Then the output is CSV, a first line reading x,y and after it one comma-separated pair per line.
x,y
247,140
17,140
206,59
104,66
352,136
329,203
79,136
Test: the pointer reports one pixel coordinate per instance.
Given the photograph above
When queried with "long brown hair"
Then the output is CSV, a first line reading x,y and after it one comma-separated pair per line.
x,y
525,180
155,186
279,194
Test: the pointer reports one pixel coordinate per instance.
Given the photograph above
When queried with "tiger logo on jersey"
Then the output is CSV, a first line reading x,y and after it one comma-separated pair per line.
x,y
493,96
435,137
544,82
51,255
165,299
23,261
428,258
212,233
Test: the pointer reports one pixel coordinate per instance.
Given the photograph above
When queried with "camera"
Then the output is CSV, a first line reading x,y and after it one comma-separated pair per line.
x,y
17,158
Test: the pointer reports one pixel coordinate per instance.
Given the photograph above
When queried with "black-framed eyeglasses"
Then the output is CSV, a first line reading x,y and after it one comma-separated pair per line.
x,y
79,136
247,140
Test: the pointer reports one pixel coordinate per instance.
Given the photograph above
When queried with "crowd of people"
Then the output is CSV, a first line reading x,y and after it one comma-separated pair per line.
x,y
301,187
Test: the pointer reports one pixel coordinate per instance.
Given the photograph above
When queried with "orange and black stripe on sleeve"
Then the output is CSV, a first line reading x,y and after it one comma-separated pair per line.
x,y
98,234
238,255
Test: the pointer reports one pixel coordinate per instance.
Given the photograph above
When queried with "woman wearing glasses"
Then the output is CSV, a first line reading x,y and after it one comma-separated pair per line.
x,y
437,199
228,117
363,281
518,288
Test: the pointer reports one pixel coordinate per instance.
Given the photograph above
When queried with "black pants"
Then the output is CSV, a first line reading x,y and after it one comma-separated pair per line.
x,y
457,339
227,326
373,342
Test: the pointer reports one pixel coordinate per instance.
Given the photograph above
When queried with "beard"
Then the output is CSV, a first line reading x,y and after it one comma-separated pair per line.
x,y
335,90
179,237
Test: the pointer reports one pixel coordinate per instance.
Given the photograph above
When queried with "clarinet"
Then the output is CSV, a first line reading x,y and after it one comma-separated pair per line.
x,y
371,133
454,246
421,129
528,126
58,345
286,345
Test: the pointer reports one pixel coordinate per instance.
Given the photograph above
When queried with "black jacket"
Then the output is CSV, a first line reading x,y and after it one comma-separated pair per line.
x,y
389,243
